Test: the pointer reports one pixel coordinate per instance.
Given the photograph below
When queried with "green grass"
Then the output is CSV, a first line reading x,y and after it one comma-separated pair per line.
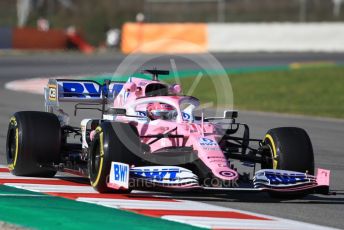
x,y
310,91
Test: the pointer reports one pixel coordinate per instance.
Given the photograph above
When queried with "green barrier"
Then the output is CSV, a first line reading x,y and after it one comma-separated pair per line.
x,y
187,73
229,71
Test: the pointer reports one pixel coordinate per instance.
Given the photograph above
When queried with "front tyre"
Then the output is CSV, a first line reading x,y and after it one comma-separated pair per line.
x,y
33,144
113,142
290,149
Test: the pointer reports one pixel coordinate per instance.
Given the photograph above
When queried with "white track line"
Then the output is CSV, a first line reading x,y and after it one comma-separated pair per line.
x,y
36,85
225,223
152,205
53,188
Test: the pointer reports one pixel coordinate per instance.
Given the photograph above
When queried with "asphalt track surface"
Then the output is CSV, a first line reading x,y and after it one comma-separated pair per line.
x,y
327,135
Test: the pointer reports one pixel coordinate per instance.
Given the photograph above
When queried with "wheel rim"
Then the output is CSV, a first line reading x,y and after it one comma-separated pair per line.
x,y
95,159
269,141
268,164
11,145
271,156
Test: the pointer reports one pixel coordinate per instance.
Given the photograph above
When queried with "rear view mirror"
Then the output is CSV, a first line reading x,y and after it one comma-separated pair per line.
x,y
230,114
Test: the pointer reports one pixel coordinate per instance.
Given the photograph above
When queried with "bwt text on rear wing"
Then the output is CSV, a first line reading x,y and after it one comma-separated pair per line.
x,y
66,90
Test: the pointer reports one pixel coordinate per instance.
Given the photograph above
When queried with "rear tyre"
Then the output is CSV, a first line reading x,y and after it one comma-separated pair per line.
x,y
109,146
33,144
290,149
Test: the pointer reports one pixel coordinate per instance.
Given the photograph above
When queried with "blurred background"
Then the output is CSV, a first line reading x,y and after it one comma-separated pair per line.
x,y
97,20
277,53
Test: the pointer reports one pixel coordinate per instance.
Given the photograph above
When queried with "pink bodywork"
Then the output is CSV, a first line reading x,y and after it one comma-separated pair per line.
x,y
323,177
201,136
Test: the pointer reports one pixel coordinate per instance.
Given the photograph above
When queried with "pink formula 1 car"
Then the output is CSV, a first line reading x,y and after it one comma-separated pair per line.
x,y
150,137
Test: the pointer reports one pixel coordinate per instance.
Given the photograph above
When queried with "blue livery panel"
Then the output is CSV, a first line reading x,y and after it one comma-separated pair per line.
x,y
75,90
156,174
87,89
120,172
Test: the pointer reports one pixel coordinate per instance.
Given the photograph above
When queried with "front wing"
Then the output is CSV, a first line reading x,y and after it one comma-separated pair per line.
x,y
178,179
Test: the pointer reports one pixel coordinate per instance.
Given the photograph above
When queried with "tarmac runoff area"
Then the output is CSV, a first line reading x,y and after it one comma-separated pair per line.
x,y
326,134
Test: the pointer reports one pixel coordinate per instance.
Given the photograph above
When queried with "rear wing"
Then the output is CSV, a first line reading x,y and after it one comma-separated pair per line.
x,y
67,90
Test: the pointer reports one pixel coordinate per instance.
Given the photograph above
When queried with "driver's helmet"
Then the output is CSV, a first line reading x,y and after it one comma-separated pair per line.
x,y
159,110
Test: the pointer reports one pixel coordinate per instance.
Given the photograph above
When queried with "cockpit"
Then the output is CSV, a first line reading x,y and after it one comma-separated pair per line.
x,y
178,108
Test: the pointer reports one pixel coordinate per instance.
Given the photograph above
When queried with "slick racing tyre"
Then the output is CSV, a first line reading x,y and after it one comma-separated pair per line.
x,y
290,149
109,146
33,144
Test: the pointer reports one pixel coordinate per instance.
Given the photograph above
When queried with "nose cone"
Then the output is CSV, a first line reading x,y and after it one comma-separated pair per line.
x,y
212,156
